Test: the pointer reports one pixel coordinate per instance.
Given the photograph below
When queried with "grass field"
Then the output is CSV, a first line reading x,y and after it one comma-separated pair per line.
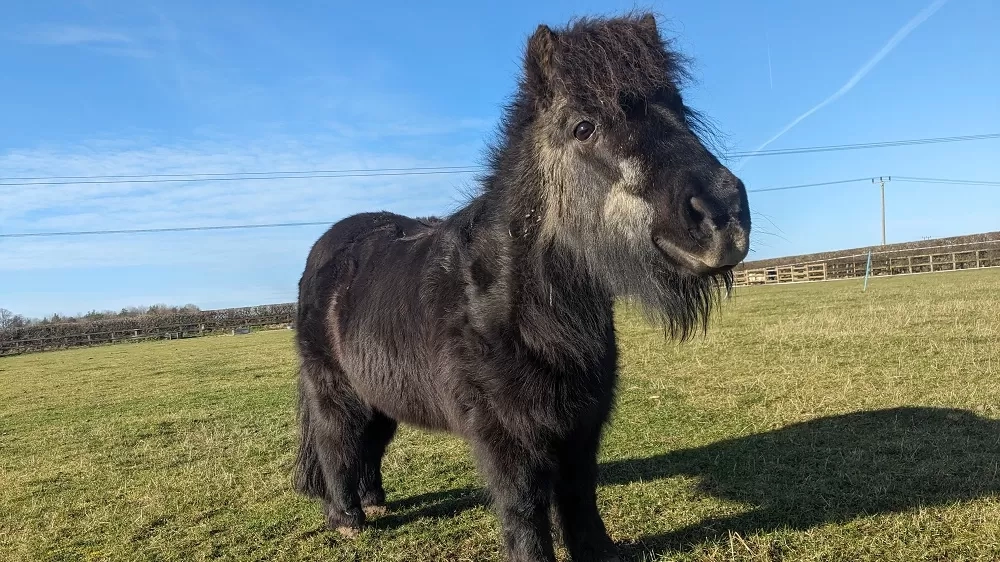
x,y
814,422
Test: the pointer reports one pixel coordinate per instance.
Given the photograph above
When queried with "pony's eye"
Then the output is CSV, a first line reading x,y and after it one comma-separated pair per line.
x,y
583,130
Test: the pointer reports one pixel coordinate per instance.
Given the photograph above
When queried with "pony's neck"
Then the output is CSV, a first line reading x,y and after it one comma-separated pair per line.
x,y
548,273
545,272
562,312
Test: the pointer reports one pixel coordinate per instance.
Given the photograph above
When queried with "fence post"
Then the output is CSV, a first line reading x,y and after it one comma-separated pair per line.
x,y
868,268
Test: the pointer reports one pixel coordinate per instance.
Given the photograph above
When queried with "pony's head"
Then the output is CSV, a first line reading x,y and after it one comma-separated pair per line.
x,y
626,181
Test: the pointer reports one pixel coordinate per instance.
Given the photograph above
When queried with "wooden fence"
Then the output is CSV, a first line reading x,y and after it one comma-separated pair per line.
x,y
901,262
79,336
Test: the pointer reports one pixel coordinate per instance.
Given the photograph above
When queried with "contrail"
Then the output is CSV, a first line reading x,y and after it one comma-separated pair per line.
x,y
770,75
918,19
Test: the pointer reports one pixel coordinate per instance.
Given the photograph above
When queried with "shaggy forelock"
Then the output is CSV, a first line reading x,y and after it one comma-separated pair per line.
x,y
596,61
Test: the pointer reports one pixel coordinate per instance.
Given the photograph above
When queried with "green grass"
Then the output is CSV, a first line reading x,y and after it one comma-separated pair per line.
x,y
814,422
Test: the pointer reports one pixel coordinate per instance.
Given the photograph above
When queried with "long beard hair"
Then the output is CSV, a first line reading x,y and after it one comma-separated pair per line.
x,y
680,302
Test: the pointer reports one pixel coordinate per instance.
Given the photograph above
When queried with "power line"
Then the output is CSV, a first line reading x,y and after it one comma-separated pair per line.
x,y
413,171
213,174
327,223
861,146
247,178
911,179
804,185
291,224
169,229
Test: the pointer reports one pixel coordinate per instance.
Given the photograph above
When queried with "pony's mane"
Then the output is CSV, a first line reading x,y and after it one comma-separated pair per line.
x,y
596,61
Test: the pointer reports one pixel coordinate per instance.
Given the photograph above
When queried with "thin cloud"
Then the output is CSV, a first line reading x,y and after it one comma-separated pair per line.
x,y
130,51
61,35
104,41
770,73
898,37
418,128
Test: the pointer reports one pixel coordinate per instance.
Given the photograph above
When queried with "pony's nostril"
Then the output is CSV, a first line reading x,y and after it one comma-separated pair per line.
x,y
699,212
707,215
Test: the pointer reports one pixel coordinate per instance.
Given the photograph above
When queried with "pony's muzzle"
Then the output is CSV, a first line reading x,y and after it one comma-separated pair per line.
x,y
723,240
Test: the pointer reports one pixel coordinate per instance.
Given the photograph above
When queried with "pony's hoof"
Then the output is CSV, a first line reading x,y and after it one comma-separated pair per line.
x,y
376,510
348,523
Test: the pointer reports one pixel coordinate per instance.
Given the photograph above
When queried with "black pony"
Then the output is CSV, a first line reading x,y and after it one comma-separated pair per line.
x,y
496,322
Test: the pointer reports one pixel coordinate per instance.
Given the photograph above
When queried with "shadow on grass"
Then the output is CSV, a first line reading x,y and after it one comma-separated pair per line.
x,y
433,504
831,469
828,470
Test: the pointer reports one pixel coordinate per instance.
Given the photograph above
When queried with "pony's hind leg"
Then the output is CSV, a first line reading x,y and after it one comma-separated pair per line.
x,y
377,435
330,456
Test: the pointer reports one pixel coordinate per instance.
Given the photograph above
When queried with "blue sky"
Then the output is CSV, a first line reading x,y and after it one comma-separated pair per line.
x,y
96,87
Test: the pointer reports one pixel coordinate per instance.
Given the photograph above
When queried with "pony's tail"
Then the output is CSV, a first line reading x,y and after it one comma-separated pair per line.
x,y
308,472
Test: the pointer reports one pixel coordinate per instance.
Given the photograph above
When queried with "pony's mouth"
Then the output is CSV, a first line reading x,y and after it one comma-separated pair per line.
x,y
689,261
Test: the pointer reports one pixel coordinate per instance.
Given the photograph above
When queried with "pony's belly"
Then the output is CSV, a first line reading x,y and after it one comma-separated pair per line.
x,y
418,417
414,412
405,396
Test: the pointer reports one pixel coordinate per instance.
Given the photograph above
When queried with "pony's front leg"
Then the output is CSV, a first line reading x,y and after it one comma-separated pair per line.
x,y
576,500
521,488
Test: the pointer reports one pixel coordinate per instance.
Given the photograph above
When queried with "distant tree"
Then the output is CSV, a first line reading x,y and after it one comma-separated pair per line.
x,y
6,317
95,315
158,309
98,315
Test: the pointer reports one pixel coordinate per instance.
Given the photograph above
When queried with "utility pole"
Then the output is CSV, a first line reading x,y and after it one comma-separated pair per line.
x,y
881,181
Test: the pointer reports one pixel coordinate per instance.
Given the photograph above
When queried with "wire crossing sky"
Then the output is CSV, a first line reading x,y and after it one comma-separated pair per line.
x,y
415,171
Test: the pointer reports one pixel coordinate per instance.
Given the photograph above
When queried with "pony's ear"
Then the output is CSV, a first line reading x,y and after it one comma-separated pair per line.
x,y
539,67
648,21
648,24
